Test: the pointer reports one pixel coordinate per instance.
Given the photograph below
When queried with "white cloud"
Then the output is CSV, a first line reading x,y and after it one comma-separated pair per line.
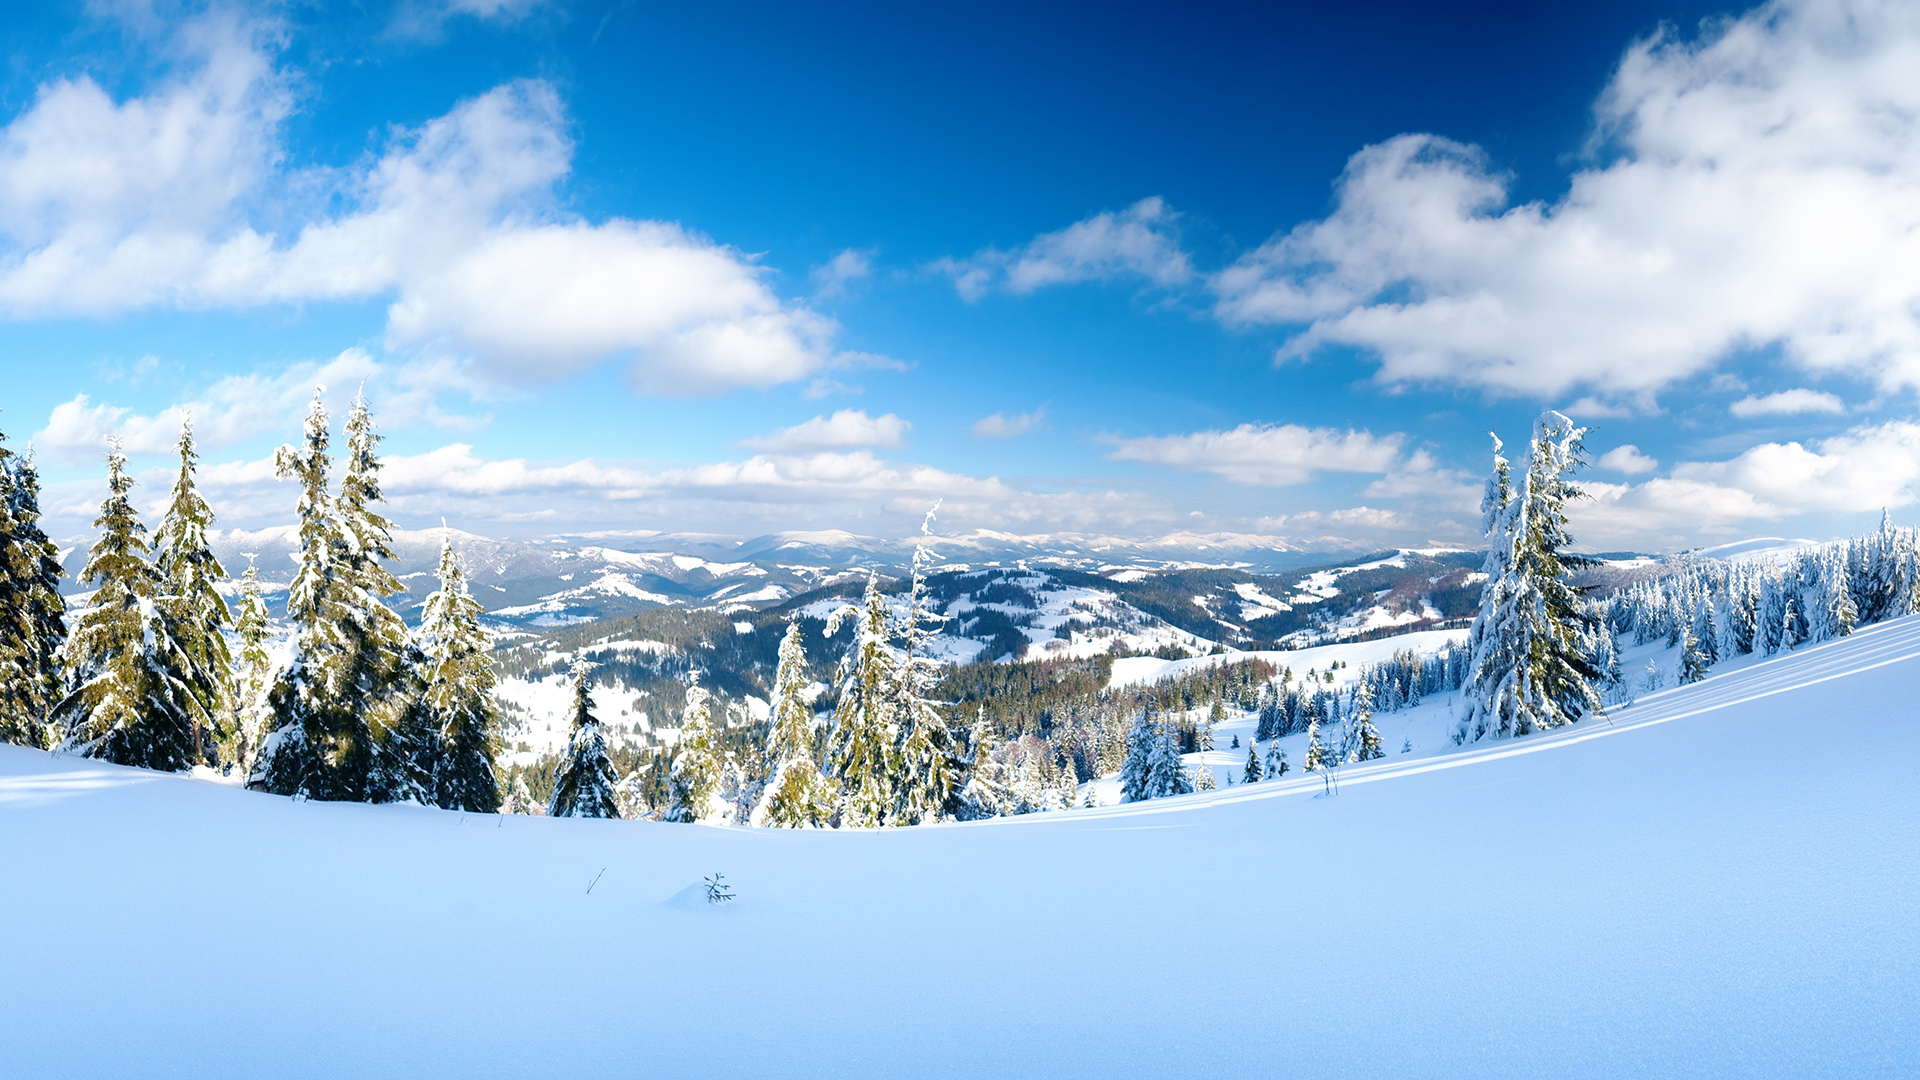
x,y
1139,241
1762,193
238,408
845,428
426,19
1627,458
1860,471
170,199
1262,454
841,271
1788,402
1002,426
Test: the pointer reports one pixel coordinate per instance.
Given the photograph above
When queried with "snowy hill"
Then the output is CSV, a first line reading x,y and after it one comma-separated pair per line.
x,y
1717,883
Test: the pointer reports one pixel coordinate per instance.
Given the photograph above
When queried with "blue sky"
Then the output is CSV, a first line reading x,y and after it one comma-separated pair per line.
x,y
1129,270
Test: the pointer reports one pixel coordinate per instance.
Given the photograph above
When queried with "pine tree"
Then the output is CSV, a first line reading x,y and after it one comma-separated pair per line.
x,y
136,686
988,791
1252,774
255,676
459,692
1068,781
1528,671
191,573
1276,761
583,785
927,758
1316,754
861,750
1693,657
32,613
695,777
519,800
1166,773
797,797
1363,739
1136,775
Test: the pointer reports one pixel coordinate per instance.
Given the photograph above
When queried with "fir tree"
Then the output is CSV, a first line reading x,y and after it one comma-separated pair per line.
x,y
1068,780
32,612
1528,671
861,750
1693,657
988,791
1276,762
136,694
583,786
1252,774
191,573
519,800
459,692
797,797
695,777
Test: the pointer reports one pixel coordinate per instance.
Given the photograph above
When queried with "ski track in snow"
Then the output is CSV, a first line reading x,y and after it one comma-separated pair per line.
x,y
1719,882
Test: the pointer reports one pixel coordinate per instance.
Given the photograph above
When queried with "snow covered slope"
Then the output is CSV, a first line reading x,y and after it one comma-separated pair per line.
x,y
1718,883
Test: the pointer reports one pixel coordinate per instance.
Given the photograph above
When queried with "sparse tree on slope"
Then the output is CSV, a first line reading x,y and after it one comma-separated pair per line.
x,y
1528,670
797,797
191,573
695,777
1363,739
33,624
583,786
1252,775
861,751
136,688
459,692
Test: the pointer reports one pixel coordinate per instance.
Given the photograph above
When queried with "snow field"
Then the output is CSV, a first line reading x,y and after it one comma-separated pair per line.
x,y
1719,883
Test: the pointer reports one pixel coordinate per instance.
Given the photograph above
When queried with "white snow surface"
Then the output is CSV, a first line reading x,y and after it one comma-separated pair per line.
x,y
1717,881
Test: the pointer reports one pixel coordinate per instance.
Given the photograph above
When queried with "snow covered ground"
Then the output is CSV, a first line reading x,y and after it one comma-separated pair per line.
x,y
1718,882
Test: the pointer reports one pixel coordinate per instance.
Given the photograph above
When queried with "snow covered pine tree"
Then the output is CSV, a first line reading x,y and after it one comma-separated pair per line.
x,y
797,797
583,785
138,691
1529,670
32,613
927,757
459,691
191,573
861,750
695,778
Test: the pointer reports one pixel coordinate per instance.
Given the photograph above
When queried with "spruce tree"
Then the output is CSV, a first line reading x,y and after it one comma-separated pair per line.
x,y
459,692
1252,774
136,694
1136,775
695,777
988,790
797,797
583,786
928,761
255,675
192,574
1363,739
861,750
1316,754
1166,772
1528,670
1276,761
33,624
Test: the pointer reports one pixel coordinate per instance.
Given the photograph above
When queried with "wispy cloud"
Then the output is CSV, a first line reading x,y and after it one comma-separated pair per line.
x,y
1628,459
846,428
1281,455
1138,242
1003,426
1788,402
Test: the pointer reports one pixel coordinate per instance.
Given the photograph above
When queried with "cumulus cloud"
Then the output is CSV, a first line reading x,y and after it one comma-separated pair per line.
x,y
848,427
1003,426
1627,458
1139,241
1787,403
238,408
1264,454
1862,470
1758,191
182,198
